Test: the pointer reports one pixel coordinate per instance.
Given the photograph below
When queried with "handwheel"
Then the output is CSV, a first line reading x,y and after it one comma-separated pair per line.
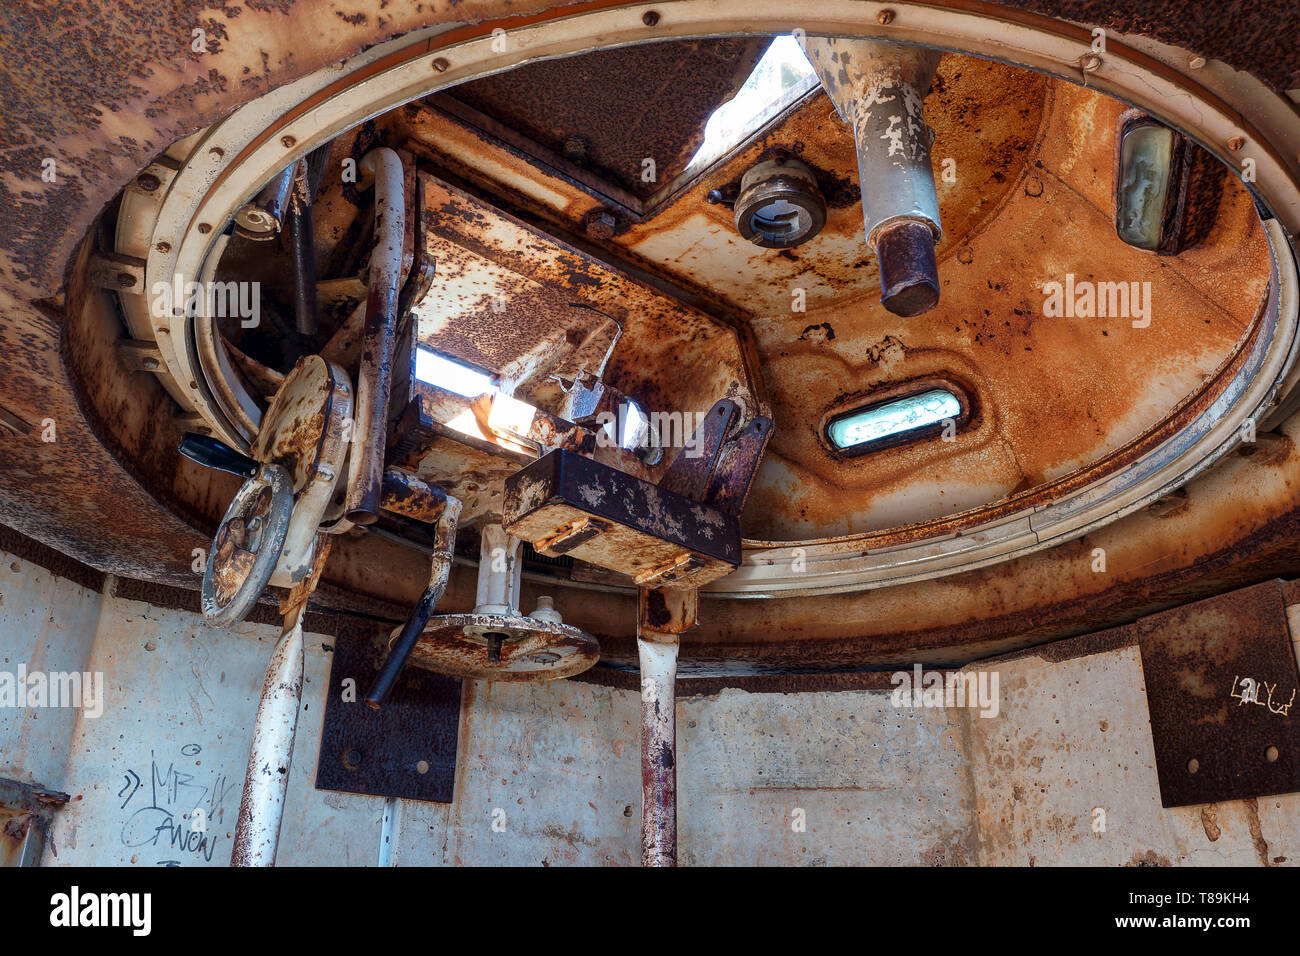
x,y
247,545
251,535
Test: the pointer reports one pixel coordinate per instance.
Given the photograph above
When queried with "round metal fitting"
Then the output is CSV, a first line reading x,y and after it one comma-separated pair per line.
x,y
779,205
247,546
504,647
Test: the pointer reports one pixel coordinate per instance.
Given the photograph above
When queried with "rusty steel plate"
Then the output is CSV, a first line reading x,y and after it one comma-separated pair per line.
x,y
529,649
405,749
564,503
1222,692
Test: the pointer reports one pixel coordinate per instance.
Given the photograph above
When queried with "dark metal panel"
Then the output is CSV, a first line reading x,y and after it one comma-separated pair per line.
x,y
405,749
564,503
608,111
1221,687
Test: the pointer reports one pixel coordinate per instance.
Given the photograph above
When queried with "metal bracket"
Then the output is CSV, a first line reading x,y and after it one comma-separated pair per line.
x,y
110,270
1224,697
405,749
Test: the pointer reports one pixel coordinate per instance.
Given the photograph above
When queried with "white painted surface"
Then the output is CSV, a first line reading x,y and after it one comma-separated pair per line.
x,y
549,774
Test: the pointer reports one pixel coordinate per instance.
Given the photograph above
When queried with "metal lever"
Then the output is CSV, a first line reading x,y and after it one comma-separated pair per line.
x,y
447,510
212,453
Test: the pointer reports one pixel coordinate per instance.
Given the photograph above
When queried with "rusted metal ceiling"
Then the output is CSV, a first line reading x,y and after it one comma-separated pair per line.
x,y
136,483
609,111
1027,201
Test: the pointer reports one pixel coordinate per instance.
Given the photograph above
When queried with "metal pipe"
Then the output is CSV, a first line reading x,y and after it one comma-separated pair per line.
x,y
443,550
257,830
262,218
302,252
662,616
658,656
879,89
499,571
375,376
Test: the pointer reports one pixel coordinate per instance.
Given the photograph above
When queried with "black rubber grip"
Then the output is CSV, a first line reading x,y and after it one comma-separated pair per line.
x,y
216,454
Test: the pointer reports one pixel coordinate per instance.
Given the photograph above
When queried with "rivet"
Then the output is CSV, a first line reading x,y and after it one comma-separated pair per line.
x,y
1033,186
965,255
288,142
885,17
164,246
125,280
1236,143
1196,62
217,152
148,182
440,65
204,228
650,18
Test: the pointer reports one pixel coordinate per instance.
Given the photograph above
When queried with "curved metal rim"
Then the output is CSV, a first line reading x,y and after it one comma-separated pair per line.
x,y
1213,105
277,479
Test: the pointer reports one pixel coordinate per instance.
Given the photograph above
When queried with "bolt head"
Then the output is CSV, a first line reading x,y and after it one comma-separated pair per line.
x,y
575,147
601,224
148,182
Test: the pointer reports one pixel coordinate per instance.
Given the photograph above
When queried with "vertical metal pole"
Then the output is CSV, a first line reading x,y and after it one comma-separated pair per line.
x,y
658,654
879,88
257,831
302,252
261,809
661,617
379,338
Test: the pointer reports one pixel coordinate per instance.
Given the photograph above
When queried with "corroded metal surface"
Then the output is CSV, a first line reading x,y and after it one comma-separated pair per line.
x,y
405,749
661,119
1222,689
525,266
266,780
45,490
379,338
25,814
658,656
564,504
247,545
509,647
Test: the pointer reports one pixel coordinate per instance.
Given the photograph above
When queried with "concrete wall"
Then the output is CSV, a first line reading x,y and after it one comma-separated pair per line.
x,y
549,774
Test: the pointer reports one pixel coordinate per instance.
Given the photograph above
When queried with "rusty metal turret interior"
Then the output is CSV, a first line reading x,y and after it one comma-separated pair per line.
x,y
678,429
